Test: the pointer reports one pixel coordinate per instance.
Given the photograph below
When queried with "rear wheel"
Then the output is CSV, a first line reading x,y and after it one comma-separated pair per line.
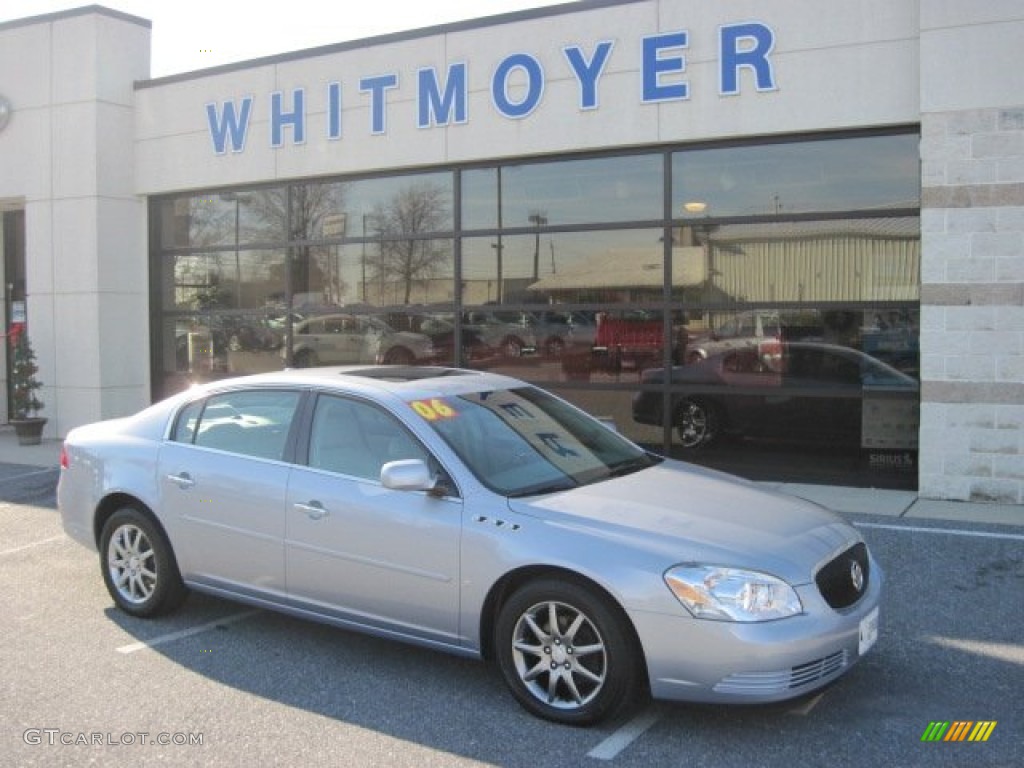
x,y
567,653
305,359
697,423
138,565
512,347
399,356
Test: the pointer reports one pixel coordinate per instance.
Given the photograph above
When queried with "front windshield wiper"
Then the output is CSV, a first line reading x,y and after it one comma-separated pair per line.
x,y
629,466
562,484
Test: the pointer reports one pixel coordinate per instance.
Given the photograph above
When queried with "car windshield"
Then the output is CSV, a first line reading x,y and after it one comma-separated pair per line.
x,y
524,441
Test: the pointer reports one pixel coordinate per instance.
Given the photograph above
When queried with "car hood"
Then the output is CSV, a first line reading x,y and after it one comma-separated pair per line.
x,y
690,514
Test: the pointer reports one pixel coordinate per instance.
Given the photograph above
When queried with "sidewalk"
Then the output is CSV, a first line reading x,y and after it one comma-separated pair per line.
x,y
866,501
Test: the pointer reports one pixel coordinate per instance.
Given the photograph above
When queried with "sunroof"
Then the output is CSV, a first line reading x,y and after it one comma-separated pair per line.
x,y
407,373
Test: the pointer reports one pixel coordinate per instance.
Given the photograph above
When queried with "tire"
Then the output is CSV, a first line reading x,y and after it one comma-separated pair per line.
x,y
138,566
306,359
512,347
548,672
554,347
697,423
399,356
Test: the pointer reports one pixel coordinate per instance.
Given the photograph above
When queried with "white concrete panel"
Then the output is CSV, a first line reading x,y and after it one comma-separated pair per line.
x,y
25,155
123,331
25,67
123,401
39,246
178,108
74,59
77,405
937,14
188,162
122,248
74,257
76,342
122,58
73,128
115,150
972,67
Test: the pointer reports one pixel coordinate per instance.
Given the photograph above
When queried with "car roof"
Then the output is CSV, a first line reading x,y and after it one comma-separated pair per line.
x,y
402,382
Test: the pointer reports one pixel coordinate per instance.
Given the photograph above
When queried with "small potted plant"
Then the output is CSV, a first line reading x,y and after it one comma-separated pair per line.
x,y
25,402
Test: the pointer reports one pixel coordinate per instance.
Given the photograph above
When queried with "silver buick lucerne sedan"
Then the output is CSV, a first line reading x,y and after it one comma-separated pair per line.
x,y
475,514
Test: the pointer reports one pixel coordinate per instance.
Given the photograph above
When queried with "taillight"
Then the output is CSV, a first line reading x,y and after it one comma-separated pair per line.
x,y
64,461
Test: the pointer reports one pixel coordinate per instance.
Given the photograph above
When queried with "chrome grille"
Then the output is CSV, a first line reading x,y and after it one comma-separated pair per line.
x,y
783,680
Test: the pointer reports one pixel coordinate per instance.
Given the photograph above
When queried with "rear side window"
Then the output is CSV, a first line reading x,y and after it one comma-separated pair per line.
x,y
250,423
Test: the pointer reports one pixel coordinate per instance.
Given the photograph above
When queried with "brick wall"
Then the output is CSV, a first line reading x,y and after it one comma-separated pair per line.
x,y
972,305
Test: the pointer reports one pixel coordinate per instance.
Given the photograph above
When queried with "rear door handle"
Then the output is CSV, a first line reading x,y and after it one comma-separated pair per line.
x,y
314,510
183,480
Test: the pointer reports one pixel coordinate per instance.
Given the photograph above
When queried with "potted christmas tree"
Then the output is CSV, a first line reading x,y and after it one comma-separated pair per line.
x,y
24,400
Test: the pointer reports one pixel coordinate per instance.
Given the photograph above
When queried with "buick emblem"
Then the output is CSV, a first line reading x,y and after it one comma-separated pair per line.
x,y
856,575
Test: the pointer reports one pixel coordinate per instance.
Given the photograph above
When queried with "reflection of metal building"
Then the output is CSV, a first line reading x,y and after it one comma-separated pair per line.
x,y
871,260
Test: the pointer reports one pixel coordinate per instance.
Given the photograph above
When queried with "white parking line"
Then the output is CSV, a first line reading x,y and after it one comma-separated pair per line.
x,y
949,531
805,709
33,544
172,636
29,474
624,736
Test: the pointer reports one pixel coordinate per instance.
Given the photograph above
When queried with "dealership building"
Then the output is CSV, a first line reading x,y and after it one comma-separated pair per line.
x,y
811,213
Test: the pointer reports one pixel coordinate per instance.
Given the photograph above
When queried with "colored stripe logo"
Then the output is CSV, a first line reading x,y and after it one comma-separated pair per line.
x,y
959,730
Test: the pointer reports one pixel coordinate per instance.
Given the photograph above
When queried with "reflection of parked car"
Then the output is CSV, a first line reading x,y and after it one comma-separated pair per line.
x,y
743,330
557,332
780,391
341,339
475,514
508,334
632,340
440,329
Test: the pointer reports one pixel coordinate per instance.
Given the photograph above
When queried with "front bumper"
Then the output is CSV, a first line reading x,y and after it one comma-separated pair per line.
x,y
727,662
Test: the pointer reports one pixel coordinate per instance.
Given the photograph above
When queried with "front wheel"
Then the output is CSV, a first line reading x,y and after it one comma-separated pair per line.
x,y
138,565
697,423
566,653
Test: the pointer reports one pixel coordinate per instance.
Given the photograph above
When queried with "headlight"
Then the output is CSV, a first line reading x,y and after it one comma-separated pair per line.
x,y
730,594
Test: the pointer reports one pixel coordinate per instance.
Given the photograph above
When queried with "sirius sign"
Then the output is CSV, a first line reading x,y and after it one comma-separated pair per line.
x,y
516,86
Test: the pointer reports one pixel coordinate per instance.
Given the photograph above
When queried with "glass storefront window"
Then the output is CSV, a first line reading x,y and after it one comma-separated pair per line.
x,y
418,204
224,218
595,190
600,266
865,259
864,173
222,280
767,324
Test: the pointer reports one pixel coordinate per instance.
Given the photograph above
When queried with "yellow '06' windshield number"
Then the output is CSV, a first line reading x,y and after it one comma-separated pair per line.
x,y
434,409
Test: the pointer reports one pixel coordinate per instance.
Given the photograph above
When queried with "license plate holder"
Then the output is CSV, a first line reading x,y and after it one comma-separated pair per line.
x,y
868,632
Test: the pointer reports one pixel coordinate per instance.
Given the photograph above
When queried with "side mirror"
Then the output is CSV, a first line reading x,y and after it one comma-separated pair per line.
x,y
406,475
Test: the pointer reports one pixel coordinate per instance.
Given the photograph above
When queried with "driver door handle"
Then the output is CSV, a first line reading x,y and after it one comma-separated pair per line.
x,y
314,510
183,480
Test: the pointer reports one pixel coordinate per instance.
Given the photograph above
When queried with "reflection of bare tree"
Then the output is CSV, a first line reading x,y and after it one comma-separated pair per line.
x,y
208,224
310,205
402,257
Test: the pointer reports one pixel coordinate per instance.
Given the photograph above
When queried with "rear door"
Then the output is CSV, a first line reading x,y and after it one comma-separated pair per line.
x,y
223,478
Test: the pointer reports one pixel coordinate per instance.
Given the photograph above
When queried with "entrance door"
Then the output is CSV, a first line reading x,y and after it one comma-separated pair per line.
x,y
14,281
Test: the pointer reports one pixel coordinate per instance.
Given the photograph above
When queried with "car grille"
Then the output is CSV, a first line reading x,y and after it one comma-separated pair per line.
x,y
835,580
767,683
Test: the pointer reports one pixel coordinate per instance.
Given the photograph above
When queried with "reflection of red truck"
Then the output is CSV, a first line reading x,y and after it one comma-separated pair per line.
x,y
629,342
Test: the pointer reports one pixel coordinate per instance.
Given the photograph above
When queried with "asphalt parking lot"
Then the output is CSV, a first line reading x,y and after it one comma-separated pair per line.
x,y
218,684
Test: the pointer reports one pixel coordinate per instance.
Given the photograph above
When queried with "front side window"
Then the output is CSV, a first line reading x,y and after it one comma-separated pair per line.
x,y
354,438
247,423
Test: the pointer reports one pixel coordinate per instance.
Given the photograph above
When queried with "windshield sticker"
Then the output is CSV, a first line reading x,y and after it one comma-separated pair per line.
x,y
434,409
